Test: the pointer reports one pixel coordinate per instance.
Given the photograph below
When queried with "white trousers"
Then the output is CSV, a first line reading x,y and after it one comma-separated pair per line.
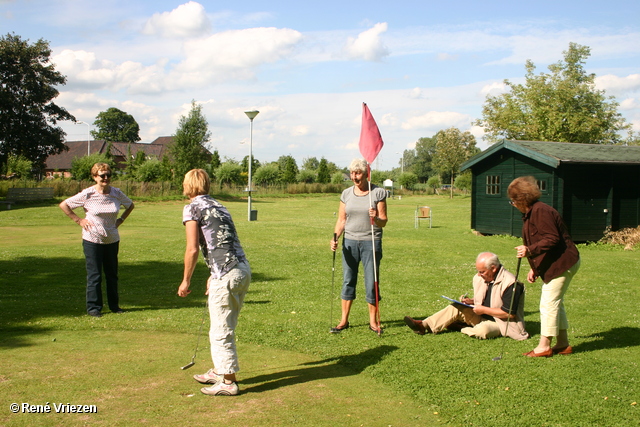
x,y
226,297
553,317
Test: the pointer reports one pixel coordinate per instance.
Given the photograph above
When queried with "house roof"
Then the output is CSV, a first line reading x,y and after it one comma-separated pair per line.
x,y
63,160
555,153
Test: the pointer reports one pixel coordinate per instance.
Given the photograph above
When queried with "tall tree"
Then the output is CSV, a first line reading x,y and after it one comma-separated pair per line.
x,y
28,114
453,147
562,106
324,177
288,169
310,163
425,148
188,145
115,125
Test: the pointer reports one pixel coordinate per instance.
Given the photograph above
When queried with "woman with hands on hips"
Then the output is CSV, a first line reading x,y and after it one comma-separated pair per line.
x,y
100,237
552,256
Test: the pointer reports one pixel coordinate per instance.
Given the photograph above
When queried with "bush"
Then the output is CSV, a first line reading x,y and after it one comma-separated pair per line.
x,y
337,178
306,176
267,175
81,166
229,173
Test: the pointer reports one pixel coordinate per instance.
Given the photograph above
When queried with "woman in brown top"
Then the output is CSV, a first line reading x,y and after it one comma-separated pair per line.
x,y
552,256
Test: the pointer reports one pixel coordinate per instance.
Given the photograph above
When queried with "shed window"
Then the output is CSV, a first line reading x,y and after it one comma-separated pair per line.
x,y
542,185
493,184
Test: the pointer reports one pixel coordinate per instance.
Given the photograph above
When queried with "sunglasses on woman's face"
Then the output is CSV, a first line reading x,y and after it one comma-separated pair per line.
x,y
105,175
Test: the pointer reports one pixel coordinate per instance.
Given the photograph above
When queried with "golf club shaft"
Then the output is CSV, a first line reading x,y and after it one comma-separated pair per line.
x,y
333,280
195,351
513,294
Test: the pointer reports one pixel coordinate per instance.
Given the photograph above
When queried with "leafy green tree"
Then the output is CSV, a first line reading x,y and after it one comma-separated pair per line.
x,y
425,149
115,125
324,176
453,148
215,159
18,166
28,115
307,176
337,178
187,148
255,165
81,166
562,106
463,181
434,182
150,171
268,174
230,173
310,163
288,169
408,180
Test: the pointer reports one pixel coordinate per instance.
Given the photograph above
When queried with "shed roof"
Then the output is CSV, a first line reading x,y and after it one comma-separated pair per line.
x,y
555,153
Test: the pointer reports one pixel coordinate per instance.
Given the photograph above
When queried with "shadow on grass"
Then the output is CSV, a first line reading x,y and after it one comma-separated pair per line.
x,y
343,366
35,288
621,337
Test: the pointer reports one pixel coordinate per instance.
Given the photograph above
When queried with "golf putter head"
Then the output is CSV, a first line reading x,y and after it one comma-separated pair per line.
x,y
495,359
188,365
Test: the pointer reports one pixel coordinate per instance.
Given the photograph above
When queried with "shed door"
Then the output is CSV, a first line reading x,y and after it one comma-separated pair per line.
x,y
588,193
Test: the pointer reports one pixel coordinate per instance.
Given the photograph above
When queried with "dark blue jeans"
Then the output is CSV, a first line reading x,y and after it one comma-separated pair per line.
x,y
98,258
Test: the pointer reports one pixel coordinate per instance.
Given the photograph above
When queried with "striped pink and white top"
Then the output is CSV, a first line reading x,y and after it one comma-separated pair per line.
x,y
102,210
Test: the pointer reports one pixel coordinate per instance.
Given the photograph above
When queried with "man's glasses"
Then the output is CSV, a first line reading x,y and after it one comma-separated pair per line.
x,y
105,175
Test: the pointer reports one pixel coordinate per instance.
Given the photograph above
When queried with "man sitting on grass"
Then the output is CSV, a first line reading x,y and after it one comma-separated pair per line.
x,y
487,318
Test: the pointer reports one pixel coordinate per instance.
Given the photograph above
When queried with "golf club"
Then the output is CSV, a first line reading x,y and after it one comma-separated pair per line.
x,y
513,294
333,281
193,359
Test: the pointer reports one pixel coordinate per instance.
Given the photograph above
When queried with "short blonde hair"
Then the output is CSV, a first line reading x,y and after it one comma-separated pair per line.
x,y
100,167
524,189
358,165
196,183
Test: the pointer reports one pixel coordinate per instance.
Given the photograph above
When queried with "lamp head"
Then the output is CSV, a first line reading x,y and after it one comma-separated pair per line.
x,y
251,114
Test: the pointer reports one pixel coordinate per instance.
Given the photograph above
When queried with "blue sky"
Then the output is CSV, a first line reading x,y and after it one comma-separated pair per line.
x,y
420,66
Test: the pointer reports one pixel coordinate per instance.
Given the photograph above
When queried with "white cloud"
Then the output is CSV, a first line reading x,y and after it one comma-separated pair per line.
x,y
235,54
437,120
368,45
493,89
630,104
447,57
615,85
187,20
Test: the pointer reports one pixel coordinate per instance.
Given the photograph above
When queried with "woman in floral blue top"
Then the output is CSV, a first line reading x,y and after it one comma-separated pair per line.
x,y
210,230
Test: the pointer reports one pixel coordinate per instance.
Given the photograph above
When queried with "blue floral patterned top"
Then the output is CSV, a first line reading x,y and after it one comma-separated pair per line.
x,y
219,241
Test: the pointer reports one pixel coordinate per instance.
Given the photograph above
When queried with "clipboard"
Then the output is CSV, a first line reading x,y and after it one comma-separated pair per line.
x,y
456,301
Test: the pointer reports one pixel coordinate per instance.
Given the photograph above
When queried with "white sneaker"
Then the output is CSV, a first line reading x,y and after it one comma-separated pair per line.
x,y
209,378
221,389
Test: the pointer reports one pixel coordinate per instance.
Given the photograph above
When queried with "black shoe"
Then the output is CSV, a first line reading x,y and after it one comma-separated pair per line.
x,y
379,332
337,330
95,313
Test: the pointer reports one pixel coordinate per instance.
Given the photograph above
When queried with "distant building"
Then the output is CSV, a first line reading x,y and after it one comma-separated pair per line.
x,y
60,164
593,186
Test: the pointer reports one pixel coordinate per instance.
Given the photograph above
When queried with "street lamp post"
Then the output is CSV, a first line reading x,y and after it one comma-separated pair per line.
x,y
252,115
88,140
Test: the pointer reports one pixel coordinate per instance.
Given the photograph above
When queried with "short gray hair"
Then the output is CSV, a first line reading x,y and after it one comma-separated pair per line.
x,y
489,259
358,165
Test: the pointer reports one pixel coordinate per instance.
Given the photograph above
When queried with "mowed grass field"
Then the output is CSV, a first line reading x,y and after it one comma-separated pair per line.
x,y
294,372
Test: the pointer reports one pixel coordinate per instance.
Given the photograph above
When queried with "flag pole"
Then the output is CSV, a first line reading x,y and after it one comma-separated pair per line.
x,y
373,246
370,145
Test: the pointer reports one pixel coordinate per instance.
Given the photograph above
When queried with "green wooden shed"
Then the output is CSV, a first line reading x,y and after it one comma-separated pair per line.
x,y
592,186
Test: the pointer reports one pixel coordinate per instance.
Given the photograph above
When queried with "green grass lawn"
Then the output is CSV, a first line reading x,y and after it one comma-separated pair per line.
x,y
294,372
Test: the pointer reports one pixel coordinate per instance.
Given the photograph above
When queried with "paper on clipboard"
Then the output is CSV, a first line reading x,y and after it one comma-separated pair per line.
x,y
456,301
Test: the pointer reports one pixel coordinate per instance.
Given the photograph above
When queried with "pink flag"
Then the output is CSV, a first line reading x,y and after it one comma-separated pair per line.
x,y
370,139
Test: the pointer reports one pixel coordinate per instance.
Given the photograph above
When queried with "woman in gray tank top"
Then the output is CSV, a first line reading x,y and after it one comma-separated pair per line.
x,y
363,209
